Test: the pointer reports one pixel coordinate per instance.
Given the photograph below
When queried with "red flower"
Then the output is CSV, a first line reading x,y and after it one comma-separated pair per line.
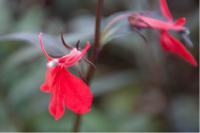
x,y
168,42
65,88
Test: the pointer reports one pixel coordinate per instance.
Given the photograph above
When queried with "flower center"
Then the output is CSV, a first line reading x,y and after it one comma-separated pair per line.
x,y
52,63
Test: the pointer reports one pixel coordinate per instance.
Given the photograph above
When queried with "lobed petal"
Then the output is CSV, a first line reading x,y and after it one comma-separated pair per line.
x,y
69,90
54,80
56,106
78,96
171,44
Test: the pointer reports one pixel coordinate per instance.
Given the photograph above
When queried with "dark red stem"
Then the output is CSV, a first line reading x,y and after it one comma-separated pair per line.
x,y
97,39
97,43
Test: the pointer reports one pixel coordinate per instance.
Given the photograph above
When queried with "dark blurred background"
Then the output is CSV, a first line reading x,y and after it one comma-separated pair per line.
x,y
136,87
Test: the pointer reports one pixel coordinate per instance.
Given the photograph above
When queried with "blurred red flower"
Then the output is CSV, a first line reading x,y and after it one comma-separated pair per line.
x,y
65,88
168,42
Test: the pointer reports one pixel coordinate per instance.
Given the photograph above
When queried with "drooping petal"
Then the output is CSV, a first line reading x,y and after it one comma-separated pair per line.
x,y
56,106
67,88
171,44
78,96
74,56
54,82
165,44
43,49
165,10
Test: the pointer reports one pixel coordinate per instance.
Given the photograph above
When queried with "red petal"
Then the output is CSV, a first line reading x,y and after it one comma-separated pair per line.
x,y
45,87
78,96
165,45
70,89
56,106
165,10
180,21
158,24
50,79
74,56
52,85
173,45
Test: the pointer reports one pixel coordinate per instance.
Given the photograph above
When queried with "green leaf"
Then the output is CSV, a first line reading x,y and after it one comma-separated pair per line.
x,y
45,122
5,17
31,21
138,123
96,121
27,86
20,57
6,122
51,43
118,27
112,82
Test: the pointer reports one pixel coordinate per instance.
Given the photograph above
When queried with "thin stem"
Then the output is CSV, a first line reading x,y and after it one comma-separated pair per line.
x,y
77,123
97,39
97,43
97,29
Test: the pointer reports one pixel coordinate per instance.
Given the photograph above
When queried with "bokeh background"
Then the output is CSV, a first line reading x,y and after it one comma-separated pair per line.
x,y
136,87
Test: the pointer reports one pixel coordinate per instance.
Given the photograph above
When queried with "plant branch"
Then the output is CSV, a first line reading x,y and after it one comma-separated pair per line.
x,y
77,123
91,69
97,40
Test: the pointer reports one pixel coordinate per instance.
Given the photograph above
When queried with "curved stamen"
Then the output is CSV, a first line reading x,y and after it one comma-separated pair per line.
x,y
64,43
42,47
141,35
78,45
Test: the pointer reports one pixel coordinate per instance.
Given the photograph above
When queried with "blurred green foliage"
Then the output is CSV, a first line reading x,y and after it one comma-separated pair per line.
x,y
136,87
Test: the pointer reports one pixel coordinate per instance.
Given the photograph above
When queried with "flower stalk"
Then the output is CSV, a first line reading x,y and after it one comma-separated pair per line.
x,y
96,49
